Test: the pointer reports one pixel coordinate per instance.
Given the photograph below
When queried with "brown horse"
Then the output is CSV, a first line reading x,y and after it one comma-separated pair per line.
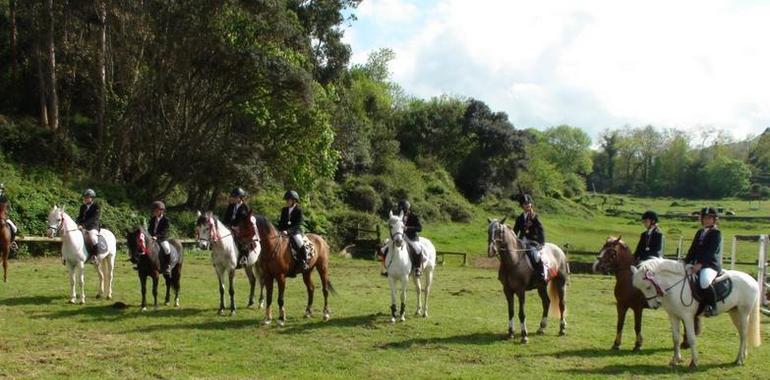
x,y
615,257
516,275
5,239
277,263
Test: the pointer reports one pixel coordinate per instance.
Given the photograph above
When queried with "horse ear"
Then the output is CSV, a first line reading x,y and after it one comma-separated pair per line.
x,y
391,213
199,213
489,220
634,269
401,214
502,221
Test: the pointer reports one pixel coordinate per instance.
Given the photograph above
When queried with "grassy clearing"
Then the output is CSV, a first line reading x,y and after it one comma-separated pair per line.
x,y
44,337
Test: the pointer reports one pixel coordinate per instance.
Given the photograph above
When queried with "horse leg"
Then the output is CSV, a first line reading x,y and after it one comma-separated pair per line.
x,y
404,285
281,310
82,279
509,299
310,290
677,358
268,280
689,330
638,328
621,310
392,283
110,263
543,293
220,275
522,316
143,286
741,322
231,278
252,283
155,290
418,288
73,283
323,272
177,282
561,290
167,279
100,272
426,291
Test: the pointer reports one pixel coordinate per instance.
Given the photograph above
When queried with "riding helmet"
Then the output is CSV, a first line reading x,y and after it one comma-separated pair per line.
x,y
158,205
89,193
238,192
525,199
291,194
650,215
404,205
708,211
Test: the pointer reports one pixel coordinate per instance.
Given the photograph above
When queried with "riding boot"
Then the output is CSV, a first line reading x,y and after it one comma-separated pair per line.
x,y
303,259
14,247
710,299
417,265
383,253
92,254
242,258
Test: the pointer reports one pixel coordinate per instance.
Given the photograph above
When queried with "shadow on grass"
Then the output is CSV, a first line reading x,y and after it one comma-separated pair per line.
x,y
109,313
474,339
33,300
602,353
644,369
371,321
222,323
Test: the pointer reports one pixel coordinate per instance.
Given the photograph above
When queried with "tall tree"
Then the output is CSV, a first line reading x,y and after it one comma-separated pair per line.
x,y
53,99
101,67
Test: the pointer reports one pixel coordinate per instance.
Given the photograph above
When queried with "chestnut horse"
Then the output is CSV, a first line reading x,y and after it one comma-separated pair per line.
x,y
277,263
5,239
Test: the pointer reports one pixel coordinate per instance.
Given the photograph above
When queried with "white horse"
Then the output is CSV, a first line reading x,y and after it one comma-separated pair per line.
x,y
74,253
664,282
224,257
399,268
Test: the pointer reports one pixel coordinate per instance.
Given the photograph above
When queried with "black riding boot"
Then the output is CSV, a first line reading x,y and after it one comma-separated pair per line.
x,y
537,263
710,300
242,258
417,264
302,257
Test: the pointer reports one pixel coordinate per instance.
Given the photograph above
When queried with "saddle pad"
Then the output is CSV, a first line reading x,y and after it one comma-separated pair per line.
x,y
309,248
723,289
101,245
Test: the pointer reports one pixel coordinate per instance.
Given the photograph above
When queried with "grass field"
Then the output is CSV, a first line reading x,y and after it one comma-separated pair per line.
x,y
44,337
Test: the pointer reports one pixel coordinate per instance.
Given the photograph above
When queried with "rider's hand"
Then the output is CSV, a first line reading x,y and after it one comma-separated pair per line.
x,y
154,238
284,233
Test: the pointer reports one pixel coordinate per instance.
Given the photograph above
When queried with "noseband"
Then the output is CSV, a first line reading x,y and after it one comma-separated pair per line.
x,y
58,229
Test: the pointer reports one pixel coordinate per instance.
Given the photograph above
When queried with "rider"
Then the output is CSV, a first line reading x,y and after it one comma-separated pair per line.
x,y
413,228
529,229
291,225
237,211
158,229
88,221
651,241
705,248
11,225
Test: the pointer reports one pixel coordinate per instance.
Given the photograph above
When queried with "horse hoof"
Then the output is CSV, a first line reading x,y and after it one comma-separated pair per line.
x,y
637,348
562,333
524,340
393,320
144,308
326,317
166,303
109,298
281,322
221,311
261,305
73,301
232,313
98,296
615,347
83,301
693,365
417,313
267,322
308,315
402,319
510,336
739,362
540,332
425,315
250,305
176,303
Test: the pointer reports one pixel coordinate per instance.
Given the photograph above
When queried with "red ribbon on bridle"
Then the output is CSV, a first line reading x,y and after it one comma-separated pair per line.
x,y
142,246
649,276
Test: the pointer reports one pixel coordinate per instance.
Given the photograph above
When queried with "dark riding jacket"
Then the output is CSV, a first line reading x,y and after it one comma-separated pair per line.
x,y
158,228
529,228
413,226
650,245
242,214
705,248
291,223
89,217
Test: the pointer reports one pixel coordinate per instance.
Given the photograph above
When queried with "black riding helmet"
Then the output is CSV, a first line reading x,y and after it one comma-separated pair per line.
x,y
89,193
404,205
650,215
525,199
238,192
158,205
291,194
708,211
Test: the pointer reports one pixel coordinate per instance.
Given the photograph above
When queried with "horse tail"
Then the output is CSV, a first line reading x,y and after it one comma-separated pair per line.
x,y
553,295
755,335
331,288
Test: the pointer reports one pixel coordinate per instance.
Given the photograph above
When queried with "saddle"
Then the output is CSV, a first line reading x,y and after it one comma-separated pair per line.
x,y
722,284
309,248
101,246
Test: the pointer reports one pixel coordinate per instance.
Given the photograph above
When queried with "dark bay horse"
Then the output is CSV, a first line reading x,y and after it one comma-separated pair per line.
x,y
616,258
516,275
277,263
5,239
145,253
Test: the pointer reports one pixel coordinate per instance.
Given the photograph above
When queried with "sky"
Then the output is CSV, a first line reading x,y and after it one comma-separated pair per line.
x,y
593,64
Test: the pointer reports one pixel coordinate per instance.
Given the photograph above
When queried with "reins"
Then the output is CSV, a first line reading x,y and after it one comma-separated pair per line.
x,y
501,239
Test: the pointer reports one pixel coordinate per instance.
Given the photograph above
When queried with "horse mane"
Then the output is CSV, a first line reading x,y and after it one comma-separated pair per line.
x,y
663,265
263,224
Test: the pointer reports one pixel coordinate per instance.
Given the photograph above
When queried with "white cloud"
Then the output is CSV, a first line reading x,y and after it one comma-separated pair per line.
x,y
592,64
388,11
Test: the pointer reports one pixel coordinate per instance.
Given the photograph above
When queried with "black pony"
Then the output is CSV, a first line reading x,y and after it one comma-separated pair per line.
x,y
144,252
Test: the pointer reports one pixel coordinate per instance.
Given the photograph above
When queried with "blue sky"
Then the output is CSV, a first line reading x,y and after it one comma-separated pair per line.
x,y
596,64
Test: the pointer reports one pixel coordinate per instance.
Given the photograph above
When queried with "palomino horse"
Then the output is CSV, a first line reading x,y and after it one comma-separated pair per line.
x,y
277,263
616,258
400,267
224,256
665,282
5,239
516,275
145,253
75,255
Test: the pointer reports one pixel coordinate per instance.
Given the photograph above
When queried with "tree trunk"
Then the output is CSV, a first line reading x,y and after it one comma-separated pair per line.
x,y
41,83
53,99
102,69
14,57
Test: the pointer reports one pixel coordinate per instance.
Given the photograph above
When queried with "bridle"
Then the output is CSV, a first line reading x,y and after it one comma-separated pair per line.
x,y
659,291
213,232
57,229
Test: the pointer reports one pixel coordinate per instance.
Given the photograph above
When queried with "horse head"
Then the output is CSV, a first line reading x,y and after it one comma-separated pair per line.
x,y
139,243
645,279
495,236
609,258
397,228
203,229
55,221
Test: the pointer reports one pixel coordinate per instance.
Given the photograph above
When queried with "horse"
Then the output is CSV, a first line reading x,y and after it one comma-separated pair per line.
x,y
278,263
516,276
5,239
400,267
75,255
145,253
224,255
616,258
665,283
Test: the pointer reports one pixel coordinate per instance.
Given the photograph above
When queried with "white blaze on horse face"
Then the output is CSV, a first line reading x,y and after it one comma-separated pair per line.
x,y
396,230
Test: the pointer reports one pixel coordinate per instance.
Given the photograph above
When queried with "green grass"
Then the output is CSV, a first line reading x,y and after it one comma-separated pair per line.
x,y
44,337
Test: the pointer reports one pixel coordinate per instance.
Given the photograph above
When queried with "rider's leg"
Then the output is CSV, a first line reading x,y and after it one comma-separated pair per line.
x,y
382,253
537,263
299,245
165,250
706,277
417,258
14,231
92,237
